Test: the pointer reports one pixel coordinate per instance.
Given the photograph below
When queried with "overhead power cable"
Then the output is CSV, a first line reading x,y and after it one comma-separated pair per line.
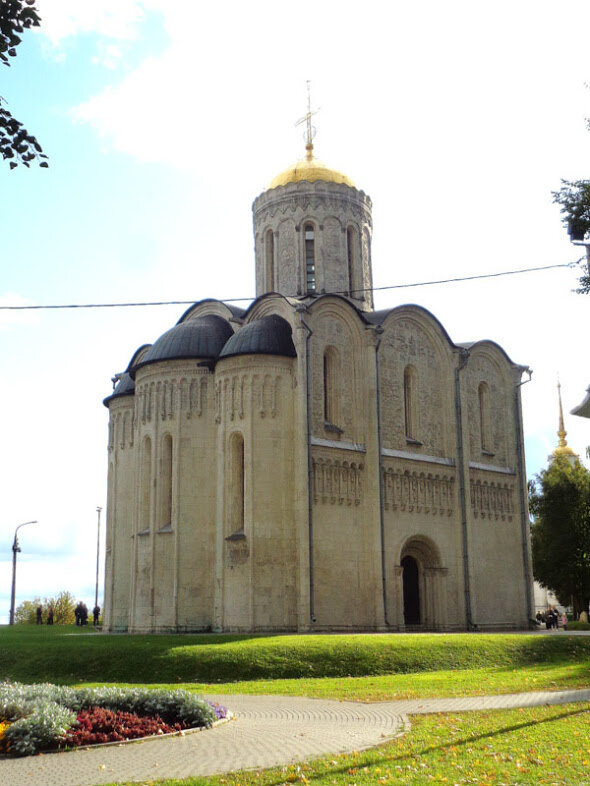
x,y
241,299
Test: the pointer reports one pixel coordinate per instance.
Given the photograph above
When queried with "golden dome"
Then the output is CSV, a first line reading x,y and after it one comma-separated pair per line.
x,y
309,169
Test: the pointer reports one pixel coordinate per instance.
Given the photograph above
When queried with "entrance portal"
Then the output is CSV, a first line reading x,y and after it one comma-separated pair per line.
x,y
422,596
411,582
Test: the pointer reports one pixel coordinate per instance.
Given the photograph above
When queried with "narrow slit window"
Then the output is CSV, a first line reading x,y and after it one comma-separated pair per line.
x,y
145,486
350,253
331,376
483,393
269,248
410,402
310,257
166,501
237,483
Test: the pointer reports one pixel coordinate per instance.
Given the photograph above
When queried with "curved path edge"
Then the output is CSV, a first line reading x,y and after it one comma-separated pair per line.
x,y
266,731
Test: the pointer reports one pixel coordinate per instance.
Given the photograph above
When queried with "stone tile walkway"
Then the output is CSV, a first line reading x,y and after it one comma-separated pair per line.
x,y
266,731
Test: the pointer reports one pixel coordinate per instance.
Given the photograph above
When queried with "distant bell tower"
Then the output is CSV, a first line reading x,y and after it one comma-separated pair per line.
x,y
563,449
312,232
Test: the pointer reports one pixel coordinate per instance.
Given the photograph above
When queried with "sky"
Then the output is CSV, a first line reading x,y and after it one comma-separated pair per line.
x,y
163,121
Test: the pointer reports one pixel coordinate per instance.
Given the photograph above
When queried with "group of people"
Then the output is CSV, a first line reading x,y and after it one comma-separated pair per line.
x,y
552,618
80,613
40,615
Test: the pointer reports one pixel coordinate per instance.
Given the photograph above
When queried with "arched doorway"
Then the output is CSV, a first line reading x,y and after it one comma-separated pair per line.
x,y
411,584
423,585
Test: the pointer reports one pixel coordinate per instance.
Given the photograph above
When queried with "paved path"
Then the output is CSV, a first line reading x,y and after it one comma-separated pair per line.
x,y
266,731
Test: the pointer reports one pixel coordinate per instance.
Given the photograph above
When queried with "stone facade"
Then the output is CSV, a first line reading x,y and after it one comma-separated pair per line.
x,y
311,464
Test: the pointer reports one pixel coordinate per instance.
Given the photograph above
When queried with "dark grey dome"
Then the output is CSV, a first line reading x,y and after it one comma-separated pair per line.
x,y
270,335
124,387
202,338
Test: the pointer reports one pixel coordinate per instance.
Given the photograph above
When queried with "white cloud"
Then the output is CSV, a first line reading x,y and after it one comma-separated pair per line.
x,y
8,316
108,55
62,19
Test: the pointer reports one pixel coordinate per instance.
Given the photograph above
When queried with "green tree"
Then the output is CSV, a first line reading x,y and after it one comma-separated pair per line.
x,y
26,612
16,144
63,610
574,198
560,505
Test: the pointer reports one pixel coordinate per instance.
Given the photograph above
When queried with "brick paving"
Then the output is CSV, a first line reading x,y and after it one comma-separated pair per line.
x,y
266,731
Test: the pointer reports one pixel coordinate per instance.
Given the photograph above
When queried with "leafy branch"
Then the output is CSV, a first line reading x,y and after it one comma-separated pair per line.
x,y
16,144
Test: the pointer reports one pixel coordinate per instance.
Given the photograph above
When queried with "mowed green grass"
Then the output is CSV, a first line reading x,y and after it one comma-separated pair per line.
x,y
541,745
360,667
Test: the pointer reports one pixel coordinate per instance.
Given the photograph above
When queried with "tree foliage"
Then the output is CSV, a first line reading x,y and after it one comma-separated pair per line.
x,y
574,198
26,612
560,504
16,144
63,609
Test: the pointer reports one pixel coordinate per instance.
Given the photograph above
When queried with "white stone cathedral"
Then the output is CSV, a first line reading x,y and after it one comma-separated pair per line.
x,y
309,463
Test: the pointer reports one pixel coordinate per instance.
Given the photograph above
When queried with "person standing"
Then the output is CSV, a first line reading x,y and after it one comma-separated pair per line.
x,y
50,615
39,615
95,613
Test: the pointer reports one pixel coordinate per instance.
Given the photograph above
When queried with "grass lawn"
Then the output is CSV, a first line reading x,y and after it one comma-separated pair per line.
x,y
387,665
543,745
455,682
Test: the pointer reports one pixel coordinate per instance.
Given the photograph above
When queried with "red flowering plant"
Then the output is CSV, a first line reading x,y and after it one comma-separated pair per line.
x,y
43,717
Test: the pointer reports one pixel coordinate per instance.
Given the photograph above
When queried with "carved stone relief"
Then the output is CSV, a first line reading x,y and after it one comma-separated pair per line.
x,y
492,500
231,396
337,482
287,258
480,369
418,492
408,344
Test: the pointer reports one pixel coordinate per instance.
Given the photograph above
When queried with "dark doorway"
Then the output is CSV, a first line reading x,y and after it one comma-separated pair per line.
x,y
411,591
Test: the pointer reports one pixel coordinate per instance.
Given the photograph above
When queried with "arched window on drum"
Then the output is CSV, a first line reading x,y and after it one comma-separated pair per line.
x,y
351,255
269,255
310,272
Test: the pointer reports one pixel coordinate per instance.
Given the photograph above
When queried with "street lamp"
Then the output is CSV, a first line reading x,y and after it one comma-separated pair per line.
x,y
15,550
98,509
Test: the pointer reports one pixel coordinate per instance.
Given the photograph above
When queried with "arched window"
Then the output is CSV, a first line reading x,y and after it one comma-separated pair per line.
x,y
411,403
237,485
145,485
351,258
269,251
309,234
483,393
166,483
331,389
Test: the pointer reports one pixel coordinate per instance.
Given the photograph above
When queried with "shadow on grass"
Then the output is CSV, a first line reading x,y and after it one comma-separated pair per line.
x,y
454,743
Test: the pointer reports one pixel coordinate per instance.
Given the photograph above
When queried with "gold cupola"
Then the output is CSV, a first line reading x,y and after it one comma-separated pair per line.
x,y
310,169
563,449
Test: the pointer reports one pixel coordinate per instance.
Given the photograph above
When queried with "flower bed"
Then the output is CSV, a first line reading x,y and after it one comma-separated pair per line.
x,y
36,718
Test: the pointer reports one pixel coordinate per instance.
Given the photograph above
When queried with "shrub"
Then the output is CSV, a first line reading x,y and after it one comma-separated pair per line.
x,y
40,717
97,725
44,728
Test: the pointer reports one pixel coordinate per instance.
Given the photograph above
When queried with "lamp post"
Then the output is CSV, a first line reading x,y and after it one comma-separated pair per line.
x,y
98,509
15,550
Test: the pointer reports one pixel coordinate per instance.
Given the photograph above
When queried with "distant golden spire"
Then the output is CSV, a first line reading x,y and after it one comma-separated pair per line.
x,y
309,169
310,130
562,449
